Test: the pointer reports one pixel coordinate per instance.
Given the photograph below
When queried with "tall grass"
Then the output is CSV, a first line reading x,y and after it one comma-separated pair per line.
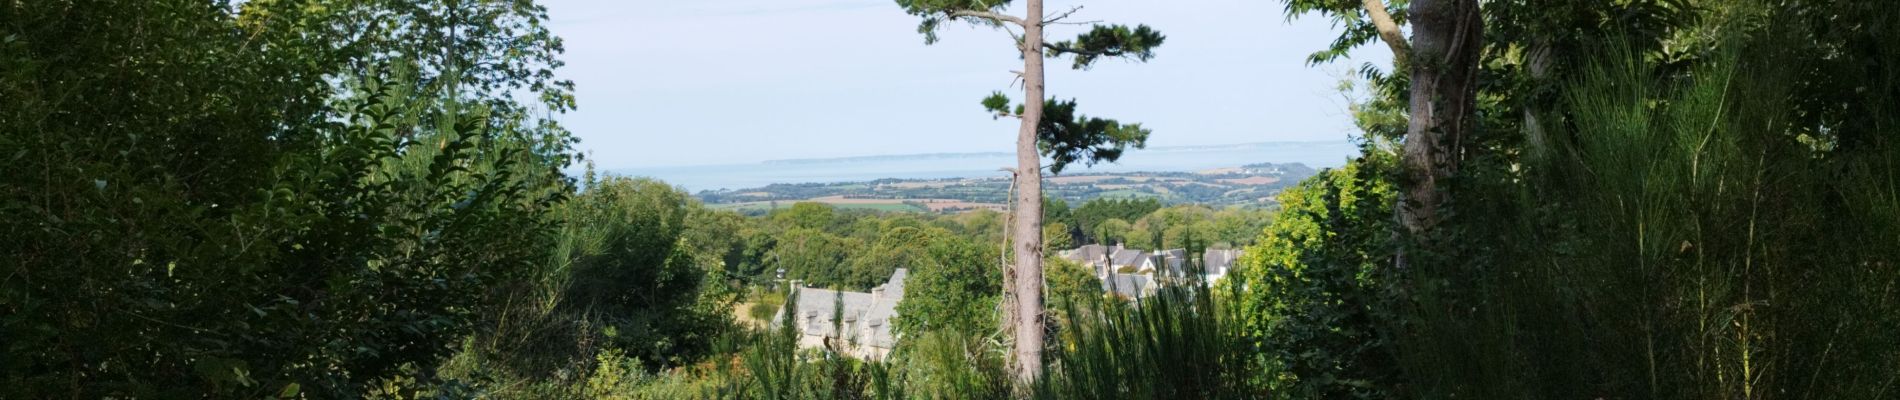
x,y
1182,342
1687,242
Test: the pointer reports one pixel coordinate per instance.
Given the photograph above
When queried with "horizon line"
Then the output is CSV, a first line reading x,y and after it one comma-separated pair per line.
x,y
960,154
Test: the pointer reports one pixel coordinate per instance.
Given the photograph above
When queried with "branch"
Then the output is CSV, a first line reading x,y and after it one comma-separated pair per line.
x,y
1089,22
1064,14
992,17
1064,48
1016,38
1388,30
1068,50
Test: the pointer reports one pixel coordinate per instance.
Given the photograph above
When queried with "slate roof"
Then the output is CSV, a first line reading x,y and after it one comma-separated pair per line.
x,y
1085,254
1132,286
1127,257
1174,260
864,313
816,308
884,309
1219,261
1118,256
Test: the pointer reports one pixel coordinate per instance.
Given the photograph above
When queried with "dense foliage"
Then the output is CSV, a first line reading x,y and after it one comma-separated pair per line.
x,y
1315,286
1662,215
956,289
1090,216
214,199
306,199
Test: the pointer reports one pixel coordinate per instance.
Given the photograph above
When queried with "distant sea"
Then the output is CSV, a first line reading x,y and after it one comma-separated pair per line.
x,y
966,165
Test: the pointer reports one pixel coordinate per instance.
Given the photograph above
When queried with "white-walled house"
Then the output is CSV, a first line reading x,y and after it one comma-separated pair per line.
x,y
1106,260
1217,263
1149,269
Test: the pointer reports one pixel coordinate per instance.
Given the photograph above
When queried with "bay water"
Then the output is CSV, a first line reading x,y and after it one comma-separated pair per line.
x,y
969,165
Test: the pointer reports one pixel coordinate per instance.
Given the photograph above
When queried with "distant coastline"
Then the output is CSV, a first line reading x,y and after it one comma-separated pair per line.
x,y
987,154
1319,155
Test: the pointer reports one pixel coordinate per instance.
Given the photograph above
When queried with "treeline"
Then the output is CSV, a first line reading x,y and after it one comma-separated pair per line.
x,y
1145,223
853,249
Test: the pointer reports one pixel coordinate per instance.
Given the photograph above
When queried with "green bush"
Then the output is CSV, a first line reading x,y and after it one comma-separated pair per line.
x,y
1316,297
214,214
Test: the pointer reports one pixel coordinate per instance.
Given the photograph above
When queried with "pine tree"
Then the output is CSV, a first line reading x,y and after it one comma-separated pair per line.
x,y
1049,128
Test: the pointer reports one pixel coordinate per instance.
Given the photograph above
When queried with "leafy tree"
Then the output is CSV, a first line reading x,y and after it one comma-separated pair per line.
x,y
636,273
1057,211
806,215
899,247
1522,50
1095,212
240,201
1315,281
1071,285
954,290
1113,231
1441,61
1237,227
1598,243
814,256
1172,227
1056,236
984,226
1049,128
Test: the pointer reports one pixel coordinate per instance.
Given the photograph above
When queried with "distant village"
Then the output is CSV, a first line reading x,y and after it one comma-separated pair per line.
x,y
859,323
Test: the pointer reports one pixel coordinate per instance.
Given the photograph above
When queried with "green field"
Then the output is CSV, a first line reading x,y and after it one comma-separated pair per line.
x,y
1127,194
880,207
765,206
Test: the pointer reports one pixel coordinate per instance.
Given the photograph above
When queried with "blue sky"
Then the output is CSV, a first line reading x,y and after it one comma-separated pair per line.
x,y
700,82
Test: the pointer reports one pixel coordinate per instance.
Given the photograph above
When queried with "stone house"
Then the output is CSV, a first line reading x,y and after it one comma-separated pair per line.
x,y
862,330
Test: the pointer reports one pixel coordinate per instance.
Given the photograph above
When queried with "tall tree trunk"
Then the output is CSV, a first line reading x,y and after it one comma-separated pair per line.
x,y
1028,279
1008,303
1537,60
1445,45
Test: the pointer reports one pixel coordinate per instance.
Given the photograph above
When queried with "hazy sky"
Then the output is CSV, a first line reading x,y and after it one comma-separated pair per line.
x,y
696,82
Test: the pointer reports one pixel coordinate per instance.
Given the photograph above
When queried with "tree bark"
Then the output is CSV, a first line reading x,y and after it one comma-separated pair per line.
x,y
1537,60
1008,301
1446,38
1028,279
